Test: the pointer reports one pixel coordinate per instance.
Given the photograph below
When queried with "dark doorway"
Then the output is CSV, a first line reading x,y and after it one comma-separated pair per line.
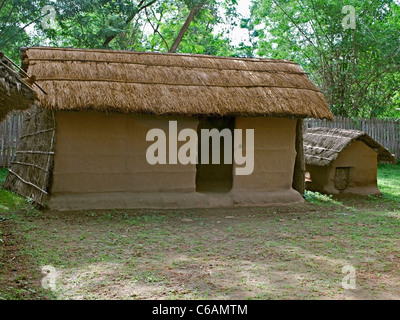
x,y
214,177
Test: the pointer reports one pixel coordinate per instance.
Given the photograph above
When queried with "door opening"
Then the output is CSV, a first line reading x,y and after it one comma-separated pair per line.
x,y
214,177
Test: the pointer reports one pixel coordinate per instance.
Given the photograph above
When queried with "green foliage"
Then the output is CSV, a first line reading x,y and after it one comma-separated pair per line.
x,y
358,70
15,17
318,198
140,26
148,25
199,38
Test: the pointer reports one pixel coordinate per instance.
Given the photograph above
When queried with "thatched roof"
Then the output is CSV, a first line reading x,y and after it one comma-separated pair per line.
x,y
15,94
323,145
175,84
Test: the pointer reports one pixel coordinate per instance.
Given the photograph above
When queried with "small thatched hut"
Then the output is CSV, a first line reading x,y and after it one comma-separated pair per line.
x,y
85,145
15,94
341,161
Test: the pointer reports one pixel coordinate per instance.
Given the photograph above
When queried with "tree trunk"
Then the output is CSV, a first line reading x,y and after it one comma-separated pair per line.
x,y
192,14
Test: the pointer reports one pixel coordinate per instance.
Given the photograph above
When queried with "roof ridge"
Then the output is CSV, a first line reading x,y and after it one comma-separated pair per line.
x,y
193,55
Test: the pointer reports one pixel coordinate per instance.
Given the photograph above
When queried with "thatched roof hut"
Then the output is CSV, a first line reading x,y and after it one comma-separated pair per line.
x,y
95,96
322,145
343,161
15,94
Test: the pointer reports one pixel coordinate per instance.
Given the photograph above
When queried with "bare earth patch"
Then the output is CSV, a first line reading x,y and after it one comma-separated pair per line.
x,y
18,280
246,253
243,253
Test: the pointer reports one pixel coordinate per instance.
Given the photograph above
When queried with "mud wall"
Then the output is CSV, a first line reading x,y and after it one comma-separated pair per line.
x,y
274,154
100,163
97,153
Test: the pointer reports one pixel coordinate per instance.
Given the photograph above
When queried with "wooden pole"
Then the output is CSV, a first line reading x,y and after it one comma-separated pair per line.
x,y
21,70
299,167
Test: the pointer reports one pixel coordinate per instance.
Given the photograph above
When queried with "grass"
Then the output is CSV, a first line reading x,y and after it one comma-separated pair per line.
x,y
17,279
8,200
261,253
389,182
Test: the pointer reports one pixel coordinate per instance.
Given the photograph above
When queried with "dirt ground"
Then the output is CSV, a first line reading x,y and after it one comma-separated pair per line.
x,y
249,253
17,279
243,253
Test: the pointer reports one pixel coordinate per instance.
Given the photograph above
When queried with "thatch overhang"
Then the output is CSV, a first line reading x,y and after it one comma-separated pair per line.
x,y
15,94
171,84
323,145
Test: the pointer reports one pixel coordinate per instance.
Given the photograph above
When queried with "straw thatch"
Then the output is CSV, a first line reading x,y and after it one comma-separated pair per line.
x,y
15,94
30,173
323,145
171,84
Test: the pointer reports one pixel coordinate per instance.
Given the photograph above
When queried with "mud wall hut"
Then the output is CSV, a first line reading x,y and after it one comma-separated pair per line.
x,y
341,161
91,147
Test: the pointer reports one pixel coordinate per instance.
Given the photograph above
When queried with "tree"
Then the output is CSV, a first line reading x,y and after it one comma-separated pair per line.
x,y
189,26
15,17
95,23
194,6
358,70
141,25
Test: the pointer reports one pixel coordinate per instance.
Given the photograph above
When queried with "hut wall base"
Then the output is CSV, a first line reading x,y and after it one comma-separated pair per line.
x,y
123,200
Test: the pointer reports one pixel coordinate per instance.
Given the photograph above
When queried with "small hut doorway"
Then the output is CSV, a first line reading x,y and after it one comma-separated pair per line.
x,y
214,177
